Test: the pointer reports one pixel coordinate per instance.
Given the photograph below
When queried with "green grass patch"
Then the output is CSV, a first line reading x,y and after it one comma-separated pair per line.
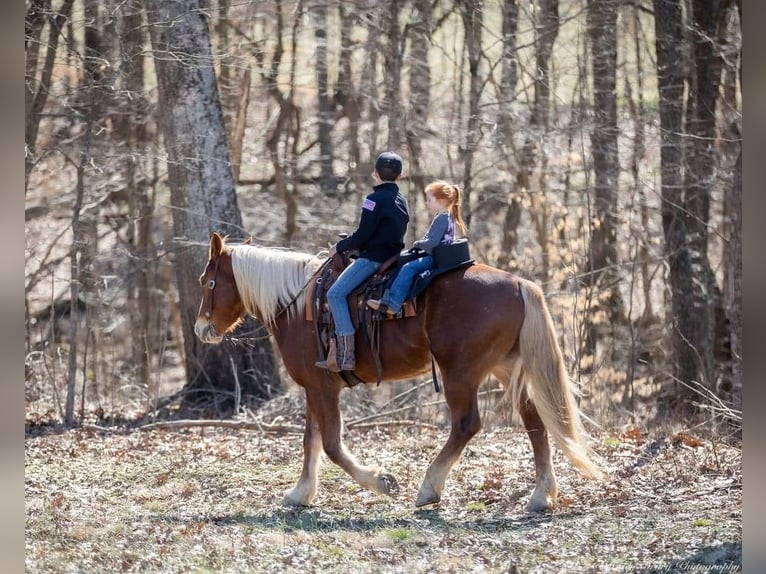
x,y
400,534
611,442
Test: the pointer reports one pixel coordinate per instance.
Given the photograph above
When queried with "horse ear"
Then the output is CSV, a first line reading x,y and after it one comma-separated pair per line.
x,y
248,241
216,245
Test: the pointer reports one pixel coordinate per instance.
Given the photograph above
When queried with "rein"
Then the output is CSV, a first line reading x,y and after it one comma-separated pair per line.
x,y
301,290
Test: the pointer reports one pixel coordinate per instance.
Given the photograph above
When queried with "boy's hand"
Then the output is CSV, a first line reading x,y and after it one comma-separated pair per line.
x,y
333,250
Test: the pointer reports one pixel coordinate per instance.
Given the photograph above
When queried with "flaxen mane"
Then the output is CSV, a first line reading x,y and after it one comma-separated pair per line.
x,y
268,279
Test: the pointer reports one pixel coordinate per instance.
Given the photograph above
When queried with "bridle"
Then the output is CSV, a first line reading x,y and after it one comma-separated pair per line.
x,y
211,288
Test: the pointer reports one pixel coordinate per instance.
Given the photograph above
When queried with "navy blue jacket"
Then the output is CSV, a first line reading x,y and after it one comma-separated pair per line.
x,y
382,224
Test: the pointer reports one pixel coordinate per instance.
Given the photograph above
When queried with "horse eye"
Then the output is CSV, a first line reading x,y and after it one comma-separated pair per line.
x,y
211,284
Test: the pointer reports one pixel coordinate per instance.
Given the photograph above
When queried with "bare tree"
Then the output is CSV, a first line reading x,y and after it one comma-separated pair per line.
x,y
508,70
506,96
392,72
708,330
670,83
734,279
282,141
602,256
346,97
546,25
36,89
472,14
142,302
419,32
202,192
325,116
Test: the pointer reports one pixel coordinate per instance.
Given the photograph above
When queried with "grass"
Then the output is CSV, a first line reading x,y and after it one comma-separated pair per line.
x,y
400,534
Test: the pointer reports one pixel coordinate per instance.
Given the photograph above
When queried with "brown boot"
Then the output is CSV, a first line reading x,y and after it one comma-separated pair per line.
x,y
346,358
379,305
331,362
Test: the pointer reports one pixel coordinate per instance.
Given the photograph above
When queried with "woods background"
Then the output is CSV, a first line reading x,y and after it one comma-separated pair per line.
x,y
597,142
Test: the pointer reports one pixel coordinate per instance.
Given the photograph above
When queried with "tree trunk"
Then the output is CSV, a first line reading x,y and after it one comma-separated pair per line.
x,y
507,95
227,80
546,32
143,305
282,142
734,278
602,29
508,70
602,258
707,330
471,11
203,197
417,116
95,99
372,104
393,74
76,273
326,179
36,91
238,133
670,83
347,97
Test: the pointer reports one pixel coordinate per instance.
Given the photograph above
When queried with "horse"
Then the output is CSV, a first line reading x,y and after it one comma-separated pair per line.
x,y
474,321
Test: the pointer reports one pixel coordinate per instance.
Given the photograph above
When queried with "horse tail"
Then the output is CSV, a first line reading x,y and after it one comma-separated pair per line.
x,y
547,382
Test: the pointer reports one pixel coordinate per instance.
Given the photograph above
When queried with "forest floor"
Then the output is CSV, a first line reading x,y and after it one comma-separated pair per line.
x,y
209,500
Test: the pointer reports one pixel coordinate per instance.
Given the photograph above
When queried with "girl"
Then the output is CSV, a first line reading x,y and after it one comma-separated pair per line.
x,y
443,204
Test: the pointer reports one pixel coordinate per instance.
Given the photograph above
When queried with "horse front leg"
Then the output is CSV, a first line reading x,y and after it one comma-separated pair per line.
x,y
466,422
546,488
304,492
326,407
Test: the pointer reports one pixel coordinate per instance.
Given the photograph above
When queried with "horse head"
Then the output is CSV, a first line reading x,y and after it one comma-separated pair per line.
x,y
221,308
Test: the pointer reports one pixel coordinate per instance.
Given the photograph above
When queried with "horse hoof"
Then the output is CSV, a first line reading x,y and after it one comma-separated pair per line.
x,y
536,505
427,495
387,484
291,502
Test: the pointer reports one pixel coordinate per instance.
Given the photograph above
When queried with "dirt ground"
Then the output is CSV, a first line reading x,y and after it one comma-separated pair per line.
x,y
208,500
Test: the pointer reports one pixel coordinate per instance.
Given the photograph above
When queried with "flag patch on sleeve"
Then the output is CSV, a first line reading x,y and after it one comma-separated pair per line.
x,y
368,204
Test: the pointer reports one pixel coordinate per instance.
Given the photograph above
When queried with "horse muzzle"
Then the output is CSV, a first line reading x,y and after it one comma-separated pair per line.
x,y
206,332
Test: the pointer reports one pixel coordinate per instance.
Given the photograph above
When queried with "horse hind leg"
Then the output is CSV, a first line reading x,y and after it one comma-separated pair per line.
x,y
466,422
511,376
546,487
304,492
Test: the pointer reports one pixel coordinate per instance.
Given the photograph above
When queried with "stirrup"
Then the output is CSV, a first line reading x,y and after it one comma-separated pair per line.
x,y
379,306
324,365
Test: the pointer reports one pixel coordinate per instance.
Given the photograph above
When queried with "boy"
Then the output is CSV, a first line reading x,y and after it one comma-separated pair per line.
x,y
379,235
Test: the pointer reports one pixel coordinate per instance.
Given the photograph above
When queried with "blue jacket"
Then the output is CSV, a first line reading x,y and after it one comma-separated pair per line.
x,y
382,224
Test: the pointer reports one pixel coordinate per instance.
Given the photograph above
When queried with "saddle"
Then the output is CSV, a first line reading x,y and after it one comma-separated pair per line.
x,y
365,319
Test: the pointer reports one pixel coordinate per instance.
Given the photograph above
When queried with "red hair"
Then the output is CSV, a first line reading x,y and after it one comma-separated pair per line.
x,y
451,194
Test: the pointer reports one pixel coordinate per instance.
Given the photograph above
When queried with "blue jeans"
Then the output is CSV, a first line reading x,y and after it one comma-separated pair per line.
x,y
352,276
401,286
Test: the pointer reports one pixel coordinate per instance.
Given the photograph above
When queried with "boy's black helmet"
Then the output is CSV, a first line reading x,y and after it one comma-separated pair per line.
x,y
388,165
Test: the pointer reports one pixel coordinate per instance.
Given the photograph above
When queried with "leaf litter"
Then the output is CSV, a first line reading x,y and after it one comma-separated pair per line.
x,y
208,500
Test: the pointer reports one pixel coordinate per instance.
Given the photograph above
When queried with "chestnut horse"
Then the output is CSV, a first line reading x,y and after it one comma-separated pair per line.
x,y
474,321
